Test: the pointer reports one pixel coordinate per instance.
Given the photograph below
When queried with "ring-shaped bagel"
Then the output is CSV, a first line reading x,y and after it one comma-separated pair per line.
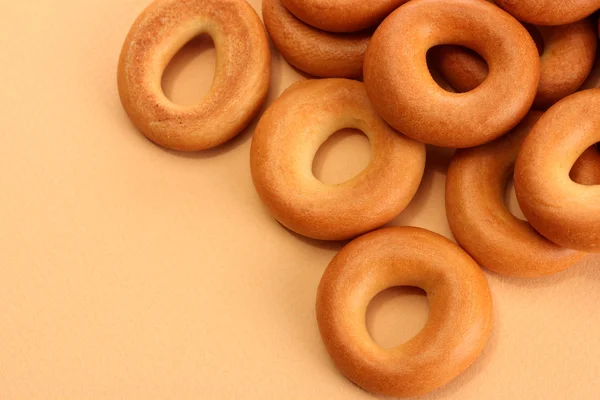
x,y
241,79
563,211
480,221
460,310
549,12
568,56
342,15
406,96
284,145
318,53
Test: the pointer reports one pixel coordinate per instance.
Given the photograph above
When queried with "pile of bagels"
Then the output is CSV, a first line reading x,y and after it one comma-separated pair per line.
x,y
512,85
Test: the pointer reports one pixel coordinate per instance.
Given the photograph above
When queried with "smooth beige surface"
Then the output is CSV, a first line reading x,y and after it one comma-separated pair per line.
x,y
131,272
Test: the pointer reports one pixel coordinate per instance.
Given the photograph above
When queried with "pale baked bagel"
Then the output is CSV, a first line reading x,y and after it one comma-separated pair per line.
x,y
284,145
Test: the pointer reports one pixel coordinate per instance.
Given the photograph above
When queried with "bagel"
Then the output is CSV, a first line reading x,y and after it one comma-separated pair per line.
x,y
549,12
284,145
318,53
342,15
406,96
566,61
565,212
460,316
480,221
241,80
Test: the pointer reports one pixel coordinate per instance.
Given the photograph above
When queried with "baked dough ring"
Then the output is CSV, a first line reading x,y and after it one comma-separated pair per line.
x,y
480,221
568,57
241,80
460,315
342,15
318,53
586,170
563,211
405,95
284,145
549,12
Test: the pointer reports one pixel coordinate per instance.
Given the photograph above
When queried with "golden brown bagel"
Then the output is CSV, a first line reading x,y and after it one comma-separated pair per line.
x,y
563,211
284,145
342,15
406,96
567,59
586,170
318,53
460,316
241,80
549,12
480,221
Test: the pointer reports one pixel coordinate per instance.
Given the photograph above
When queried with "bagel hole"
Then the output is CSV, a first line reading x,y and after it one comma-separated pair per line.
x,y
344,155
434,71
396,315
510,199
461,82
189,75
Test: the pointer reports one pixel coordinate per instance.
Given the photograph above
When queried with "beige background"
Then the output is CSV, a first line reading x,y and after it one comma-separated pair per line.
x,y
131,272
